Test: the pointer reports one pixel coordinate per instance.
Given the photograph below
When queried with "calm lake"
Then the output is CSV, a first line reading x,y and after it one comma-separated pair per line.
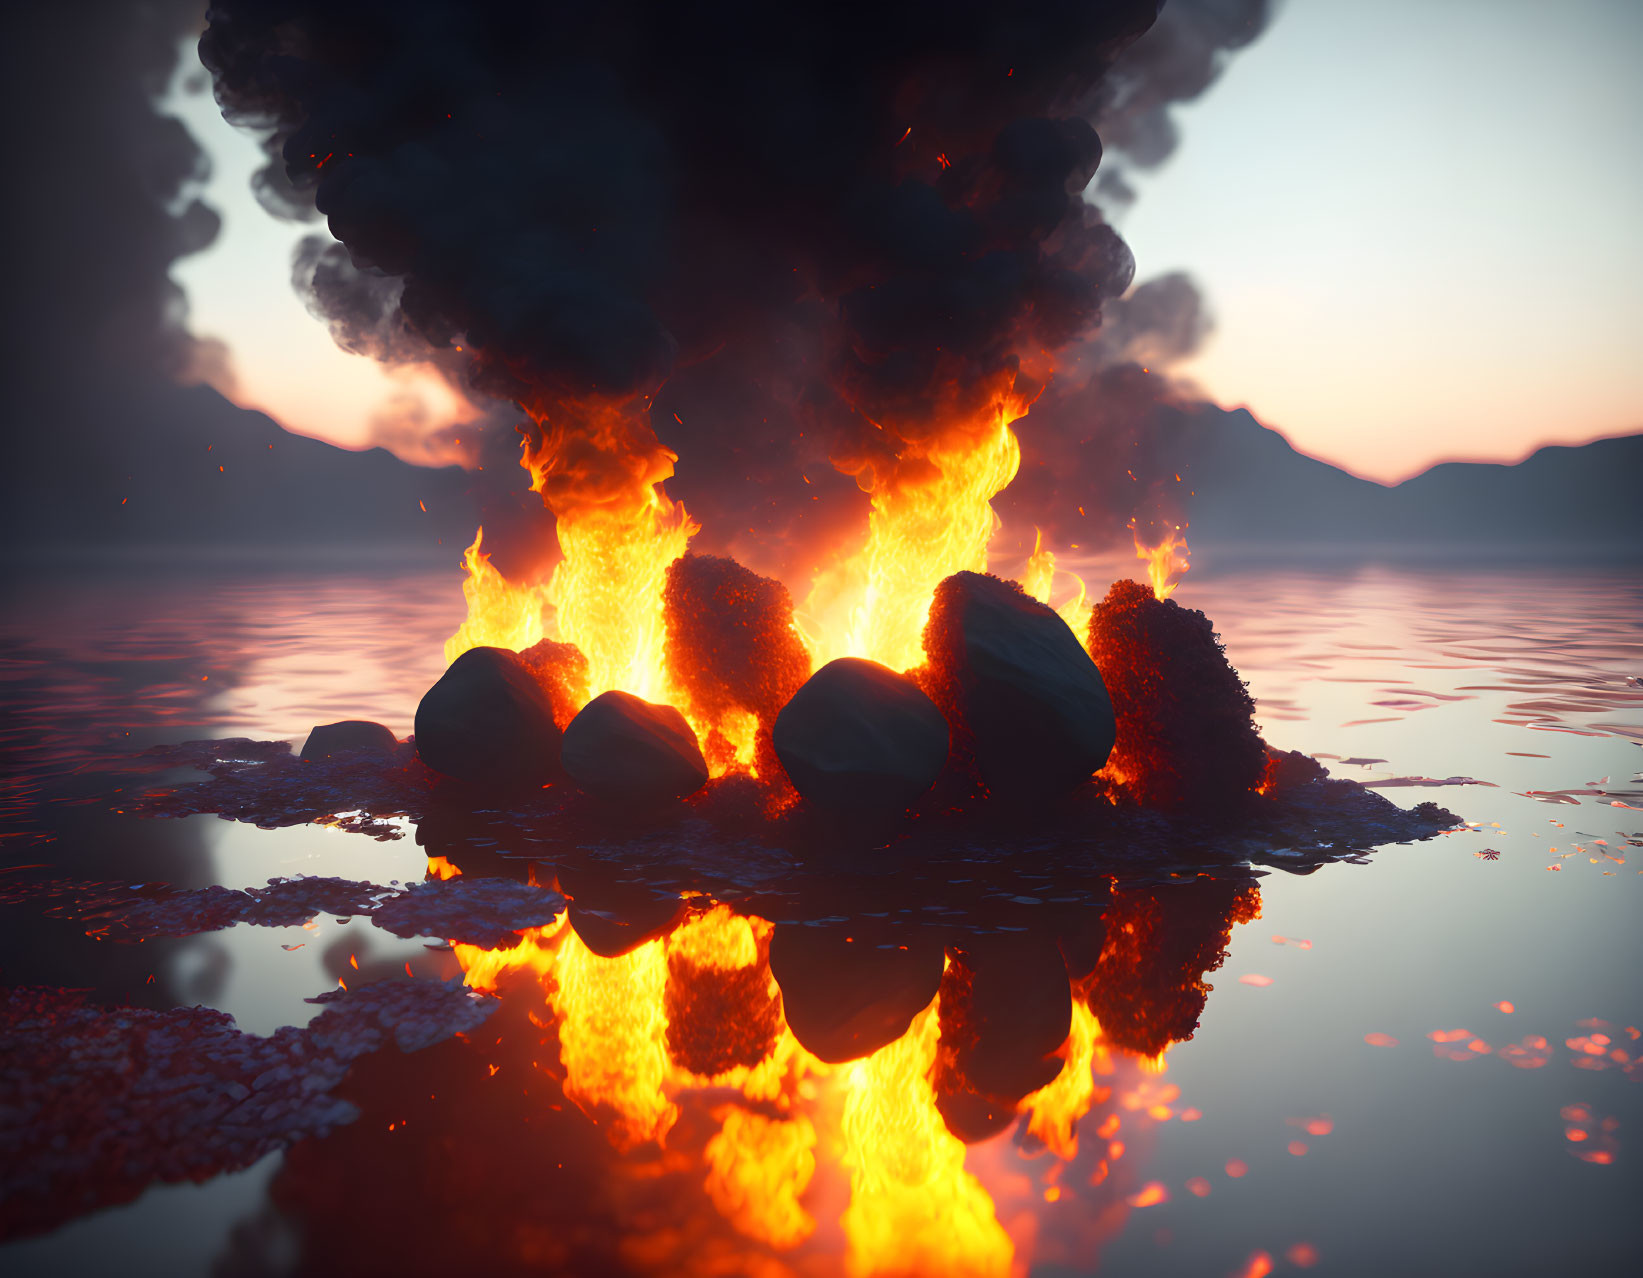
x,y
1422,1060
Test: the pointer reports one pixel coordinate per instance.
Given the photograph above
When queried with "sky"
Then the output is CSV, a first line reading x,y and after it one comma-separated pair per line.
x,y
1415,222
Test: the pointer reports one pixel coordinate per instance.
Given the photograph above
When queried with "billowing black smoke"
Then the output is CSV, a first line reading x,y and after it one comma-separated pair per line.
x,y
850,219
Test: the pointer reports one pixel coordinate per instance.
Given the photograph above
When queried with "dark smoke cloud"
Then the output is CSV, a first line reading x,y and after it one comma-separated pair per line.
x,y
109,450
854,220
1175,62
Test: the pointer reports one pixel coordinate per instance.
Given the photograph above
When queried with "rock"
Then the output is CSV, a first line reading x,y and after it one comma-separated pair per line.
x,y
846,993
1026,702
488,722
327,739
860,739
1186,722
626,750
732,651
562,671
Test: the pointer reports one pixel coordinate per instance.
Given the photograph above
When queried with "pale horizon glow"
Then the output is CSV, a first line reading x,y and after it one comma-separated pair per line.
x,y
1417,226
281,360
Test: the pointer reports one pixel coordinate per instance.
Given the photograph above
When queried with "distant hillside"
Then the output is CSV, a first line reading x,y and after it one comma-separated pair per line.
x,y
1254,493
182,468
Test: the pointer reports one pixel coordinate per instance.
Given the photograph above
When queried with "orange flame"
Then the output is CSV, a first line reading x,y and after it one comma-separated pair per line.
x,y
618,533
913,1207
501,613
931,516
1165,562
1053,1110
1038,578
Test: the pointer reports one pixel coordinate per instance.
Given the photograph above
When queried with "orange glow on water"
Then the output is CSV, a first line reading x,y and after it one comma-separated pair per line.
x,y
913,1207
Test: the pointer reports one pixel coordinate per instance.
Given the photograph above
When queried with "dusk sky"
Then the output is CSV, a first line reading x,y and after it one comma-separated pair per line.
x,y
1415,249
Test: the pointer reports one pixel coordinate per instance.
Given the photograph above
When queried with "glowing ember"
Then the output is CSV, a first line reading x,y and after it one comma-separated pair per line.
x,y
1165,561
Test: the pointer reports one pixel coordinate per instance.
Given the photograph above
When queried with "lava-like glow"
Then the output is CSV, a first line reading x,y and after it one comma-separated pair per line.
x,y
501,613
1165,561
913,1207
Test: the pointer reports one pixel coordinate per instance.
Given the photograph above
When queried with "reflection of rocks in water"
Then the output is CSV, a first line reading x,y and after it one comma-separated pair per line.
x,y
848,991
614,915
1006,1008
723,1006
1147,989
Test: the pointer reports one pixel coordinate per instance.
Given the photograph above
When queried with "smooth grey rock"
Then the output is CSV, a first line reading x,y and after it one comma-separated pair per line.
x,y
860,739
326,739
488,722
625,749
1018,685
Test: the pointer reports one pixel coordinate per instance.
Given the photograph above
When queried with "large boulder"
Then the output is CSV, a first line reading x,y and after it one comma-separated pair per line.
x,y
488,722
1026,702
362,735
625,749
859,739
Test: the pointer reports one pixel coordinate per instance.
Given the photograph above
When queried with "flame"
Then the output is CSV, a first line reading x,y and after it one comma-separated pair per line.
x,y
501,613
913,1208
1053,1110
1039,573
757,1169
613,1037
618,533
1038,577
931,516
1165,562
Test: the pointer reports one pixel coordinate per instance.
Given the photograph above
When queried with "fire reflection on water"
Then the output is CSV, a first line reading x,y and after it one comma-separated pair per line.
x,y
856,1160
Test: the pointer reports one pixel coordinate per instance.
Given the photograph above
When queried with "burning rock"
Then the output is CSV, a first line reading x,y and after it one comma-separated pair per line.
x,y
731,647
1186,724
488,722
1027,704
351,734
846,995
627,750
562,671
861,740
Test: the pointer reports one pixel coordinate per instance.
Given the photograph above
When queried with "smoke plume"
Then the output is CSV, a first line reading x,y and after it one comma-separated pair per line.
x,y
841,228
